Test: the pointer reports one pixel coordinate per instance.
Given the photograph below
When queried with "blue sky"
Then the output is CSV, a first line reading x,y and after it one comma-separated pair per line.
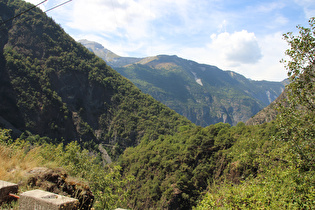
x,y
244,36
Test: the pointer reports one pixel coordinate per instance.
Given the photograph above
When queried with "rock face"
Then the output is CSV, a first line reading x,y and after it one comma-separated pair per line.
x,y
57,181
267,114
5,189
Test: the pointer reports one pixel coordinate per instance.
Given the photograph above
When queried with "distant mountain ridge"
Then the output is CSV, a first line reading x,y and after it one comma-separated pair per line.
x,y
203,93
111,58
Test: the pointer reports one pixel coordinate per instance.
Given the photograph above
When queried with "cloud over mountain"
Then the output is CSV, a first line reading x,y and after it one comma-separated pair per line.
x,y
237,48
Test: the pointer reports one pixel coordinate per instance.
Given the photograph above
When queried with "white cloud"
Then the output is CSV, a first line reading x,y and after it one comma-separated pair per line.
x,y
222,27
137,19
237,48
278,21
308,6
269,7
120,18
269,67
262,65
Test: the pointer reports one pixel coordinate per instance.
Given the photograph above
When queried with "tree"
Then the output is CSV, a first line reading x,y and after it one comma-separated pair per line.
x,y
297,114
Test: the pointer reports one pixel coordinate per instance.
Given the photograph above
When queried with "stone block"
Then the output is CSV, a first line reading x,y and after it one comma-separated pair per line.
x,y
5,189
43,200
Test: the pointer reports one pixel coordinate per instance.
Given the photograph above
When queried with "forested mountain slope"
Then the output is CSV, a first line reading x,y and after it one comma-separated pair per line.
x,y
53,86
204,94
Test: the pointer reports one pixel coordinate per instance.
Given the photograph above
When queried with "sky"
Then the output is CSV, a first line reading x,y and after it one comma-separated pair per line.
x,y
244,36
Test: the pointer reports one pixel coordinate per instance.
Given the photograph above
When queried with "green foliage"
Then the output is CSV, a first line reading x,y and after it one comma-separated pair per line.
x,y
231,162
259,173
105,182
36,98
5,137
172,171
297,118
274,189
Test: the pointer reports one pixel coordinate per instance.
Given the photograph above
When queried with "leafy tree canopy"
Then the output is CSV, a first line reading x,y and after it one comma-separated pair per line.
x,y
297,118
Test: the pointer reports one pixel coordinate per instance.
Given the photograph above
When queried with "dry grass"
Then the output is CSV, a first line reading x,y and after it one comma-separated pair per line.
x,y
14,163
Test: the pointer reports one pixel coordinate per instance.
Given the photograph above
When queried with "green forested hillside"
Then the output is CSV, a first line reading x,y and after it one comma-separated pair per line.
x,y
239,167
53,86
173,171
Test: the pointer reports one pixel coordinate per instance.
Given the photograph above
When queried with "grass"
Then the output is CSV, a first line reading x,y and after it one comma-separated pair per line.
x,y
12,206
14,164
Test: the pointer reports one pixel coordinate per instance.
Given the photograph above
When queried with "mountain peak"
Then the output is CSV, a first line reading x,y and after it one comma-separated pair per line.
x,y
97,45
111,58
147,60
99,50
